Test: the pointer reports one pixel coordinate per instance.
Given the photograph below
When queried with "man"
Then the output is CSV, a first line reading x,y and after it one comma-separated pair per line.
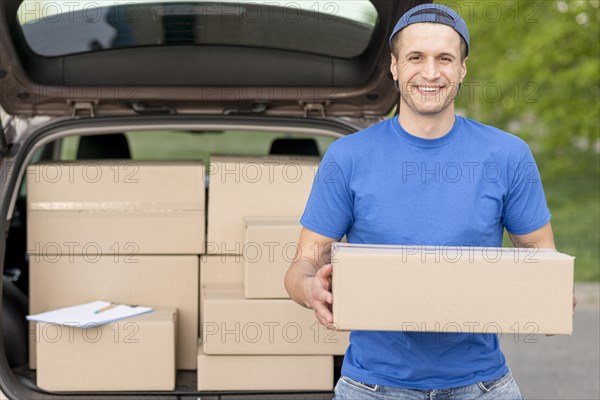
x,y
427,177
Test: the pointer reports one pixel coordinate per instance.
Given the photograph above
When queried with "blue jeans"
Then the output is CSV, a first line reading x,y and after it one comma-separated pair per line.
x,y
503,388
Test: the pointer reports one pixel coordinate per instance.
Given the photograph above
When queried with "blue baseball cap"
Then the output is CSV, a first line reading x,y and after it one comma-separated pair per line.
x,y
433,13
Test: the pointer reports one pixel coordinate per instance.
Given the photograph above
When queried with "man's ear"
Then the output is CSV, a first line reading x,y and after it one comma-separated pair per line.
x,y
463,65
394,67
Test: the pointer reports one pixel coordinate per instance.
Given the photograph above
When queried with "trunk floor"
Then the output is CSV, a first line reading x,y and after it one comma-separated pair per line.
x,y
186,386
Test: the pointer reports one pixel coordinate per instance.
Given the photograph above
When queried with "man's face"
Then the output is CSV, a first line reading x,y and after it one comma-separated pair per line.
x,y
428,68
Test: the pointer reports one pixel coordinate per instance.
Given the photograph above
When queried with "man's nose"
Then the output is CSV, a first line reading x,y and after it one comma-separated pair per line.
x,y
430,70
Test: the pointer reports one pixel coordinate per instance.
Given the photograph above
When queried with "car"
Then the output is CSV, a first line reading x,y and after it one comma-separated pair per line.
x,y
169,80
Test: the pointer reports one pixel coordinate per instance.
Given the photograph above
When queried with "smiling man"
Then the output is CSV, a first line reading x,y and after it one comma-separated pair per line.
x,y
426,177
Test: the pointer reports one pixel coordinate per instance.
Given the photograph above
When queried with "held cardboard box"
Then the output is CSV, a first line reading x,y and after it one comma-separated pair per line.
x,y
131,354
452,289
239,187
115,207
271,246
154,281
235,372
232,324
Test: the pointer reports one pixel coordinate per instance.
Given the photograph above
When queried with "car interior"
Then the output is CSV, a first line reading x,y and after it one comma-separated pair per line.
x,y
118,146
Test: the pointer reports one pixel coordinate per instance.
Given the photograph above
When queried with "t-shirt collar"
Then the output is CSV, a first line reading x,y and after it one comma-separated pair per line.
x,y
422,142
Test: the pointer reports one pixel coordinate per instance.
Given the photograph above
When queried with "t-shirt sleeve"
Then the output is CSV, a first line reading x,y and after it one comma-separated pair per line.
x,y
525,208
329,208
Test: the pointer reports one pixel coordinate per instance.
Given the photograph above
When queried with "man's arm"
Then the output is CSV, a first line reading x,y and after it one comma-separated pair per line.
x,y
308,280
541,238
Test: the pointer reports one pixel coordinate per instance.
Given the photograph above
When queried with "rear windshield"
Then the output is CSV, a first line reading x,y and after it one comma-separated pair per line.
x,y
180,145
339,29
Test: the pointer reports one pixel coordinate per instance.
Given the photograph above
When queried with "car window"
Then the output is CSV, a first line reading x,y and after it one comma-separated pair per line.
x,y
330,28
176,145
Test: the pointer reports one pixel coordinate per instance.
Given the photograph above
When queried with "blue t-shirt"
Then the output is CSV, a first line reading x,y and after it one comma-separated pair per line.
x,y
383,185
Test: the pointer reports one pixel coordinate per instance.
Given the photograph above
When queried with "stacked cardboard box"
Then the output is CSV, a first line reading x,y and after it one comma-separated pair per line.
x,y
133,354
117,230
263,187
249,372
232,324
270,247
247,318
115,207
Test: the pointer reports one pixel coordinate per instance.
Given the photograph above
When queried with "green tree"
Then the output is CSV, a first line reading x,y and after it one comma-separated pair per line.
x,y
534,70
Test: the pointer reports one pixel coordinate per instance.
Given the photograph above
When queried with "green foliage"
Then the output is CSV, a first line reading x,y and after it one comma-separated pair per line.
x,y
534,70
576,223
573,202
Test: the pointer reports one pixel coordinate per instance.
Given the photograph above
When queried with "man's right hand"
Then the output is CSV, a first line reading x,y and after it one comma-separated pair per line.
x,y
308,280
319,295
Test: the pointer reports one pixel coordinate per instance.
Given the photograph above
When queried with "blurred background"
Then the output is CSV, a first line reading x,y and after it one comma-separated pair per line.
x,y
534,70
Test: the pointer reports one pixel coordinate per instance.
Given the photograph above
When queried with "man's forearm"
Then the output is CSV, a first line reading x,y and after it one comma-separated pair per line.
x,y
306,281
297,280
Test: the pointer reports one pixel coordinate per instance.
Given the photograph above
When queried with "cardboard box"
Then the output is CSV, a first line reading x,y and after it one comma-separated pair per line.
x,y
253,187
232,324
116,207
155,281
271,246
131,354
218,270
235,372
452,289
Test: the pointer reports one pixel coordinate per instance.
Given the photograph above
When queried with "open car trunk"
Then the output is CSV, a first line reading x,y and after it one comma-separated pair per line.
x,y
168,138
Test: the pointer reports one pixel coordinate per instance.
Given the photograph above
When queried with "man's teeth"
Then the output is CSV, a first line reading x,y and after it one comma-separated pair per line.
x,y
430,89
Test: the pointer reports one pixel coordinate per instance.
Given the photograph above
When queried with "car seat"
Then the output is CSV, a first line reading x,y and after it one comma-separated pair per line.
x,y
114,145
294,147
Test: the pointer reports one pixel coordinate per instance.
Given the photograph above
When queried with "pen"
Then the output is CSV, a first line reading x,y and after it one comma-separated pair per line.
x,y
108,307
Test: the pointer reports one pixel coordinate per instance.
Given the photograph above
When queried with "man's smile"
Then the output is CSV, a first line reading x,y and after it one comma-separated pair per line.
x,y
427,89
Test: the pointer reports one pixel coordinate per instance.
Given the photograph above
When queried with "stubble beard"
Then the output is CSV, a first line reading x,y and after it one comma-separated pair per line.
x,y
423,105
